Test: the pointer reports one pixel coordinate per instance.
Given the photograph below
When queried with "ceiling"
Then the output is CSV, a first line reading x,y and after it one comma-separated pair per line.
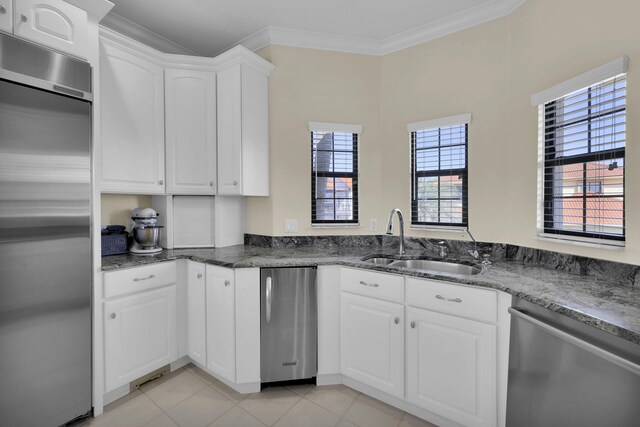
x,y
209,27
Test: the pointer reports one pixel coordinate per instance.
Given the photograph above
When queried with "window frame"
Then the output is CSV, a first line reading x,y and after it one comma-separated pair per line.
x,y
354,130
439,124
549,132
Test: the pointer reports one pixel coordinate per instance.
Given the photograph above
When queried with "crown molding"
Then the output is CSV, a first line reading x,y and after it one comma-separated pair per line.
x,y
241,55
310,40
143,35
369,46
450,24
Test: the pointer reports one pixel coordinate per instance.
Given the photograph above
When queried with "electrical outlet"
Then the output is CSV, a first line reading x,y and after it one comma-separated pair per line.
x,y
291,225
373,224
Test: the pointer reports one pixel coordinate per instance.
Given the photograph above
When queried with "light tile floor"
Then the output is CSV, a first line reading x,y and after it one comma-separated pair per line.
x,y
189,397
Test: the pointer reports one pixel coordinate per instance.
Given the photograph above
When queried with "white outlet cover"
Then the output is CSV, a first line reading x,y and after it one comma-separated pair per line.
x,y
290,225
373,224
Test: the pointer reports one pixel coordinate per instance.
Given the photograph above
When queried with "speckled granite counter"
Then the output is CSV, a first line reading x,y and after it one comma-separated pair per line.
x,y
602,303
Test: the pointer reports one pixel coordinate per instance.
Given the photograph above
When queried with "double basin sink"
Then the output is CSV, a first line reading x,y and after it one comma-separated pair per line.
x,y
426,265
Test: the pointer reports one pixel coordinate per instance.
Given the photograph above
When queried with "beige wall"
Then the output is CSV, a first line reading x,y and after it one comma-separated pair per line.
x,y
490,71
116,208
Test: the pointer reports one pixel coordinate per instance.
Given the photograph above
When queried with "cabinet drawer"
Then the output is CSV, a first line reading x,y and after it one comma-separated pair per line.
x,y
472,303
137,279
377,285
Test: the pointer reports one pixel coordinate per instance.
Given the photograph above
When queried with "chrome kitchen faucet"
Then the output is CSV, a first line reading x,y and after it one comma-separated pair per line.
x,y
390,227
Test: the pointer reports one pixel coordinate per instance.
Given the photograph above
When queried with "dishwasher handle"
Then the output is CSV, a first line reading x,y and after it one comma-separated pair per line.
x,y
269,298
584,345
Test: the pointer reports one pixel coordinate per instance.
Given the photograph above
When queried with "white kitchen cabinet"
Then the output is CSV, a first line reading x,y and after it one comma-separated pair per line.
x,y
140,335
196,313
372,342
220,306
53,23
190,105
132,121
6,16
243,131
451,366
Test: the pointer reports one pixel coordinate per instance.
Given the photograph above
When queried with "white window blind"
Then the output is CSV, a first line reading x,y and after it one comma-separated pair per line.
x,y
334,173
582,162
439,175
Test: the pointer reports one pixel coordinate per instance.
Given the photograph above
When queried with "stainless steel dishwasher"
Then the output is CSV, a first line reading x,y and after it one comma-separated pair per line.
x,y
288,324
565,373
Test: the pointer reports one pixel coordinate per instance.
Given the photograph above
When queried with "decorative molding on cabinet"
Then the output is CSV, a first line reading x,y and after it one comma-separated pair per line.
x,y
142,34
96,8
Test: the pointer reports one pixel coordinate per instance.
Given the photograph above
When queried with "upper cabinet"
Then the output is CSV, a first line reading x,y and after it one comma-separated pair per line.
x,y
6,16
190,124
132,121
243,130
52,23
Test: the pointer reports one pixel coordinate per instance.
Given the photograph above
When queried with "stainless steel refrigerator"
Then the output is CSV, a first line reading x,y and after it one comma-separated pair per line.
x,y
289,324
45,236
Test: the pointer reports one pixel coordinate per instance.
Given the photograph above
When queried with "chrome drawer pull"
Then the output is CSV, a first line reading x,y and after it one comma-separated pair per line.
x,y
448,299
140,279
374,285
396,320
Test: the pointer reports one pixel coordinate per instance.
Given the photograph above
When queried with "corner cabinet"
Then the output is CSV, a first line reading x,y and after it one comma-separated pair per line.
x,y
196,313
190,105
132,121
52,23
243,131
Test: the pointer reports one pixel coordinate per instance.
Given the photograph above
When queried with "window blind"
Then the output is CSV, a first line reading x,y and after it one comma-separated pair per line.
x,y
583,135
334,177
439,175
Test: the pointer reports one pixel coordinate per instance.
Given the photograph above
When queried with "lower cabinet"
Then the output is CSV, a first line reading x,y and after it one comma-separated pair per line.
x,y
220,313
451,366
372,342
196,313
140,335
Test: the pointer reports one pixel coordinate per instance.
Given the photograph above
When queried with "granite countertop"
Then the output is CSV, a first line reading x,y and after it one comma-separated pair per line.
x,y
602,303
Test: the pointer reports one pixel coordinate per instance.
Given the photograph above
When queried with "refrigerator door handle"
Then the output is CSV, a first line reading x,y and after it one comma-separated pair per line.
x,y
269,296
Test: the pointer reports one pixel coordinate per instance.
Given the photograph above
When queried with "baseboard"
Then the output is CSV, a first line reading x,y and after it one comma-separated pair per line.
x,y
183,361
116,394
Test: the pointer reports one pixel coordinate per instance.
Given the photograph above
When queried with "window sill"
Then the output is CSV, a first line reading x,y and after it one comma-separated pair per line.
x,y
443,228
577,241
356,225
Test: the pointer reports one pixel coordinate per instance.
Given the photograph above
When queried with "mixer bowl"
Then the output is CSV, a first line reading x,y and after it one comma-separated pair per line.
x,y
148,236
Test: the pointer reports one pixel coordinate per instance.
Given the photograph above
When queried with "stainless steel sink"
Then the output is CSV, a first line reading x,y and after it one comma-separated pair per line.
x,y
427,265
437,266
380,260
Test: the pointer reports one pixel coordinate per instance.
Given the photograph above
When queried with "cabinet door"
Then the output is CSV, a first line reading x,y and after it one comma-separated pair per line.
x,y
221,343
6,16
53,23
230,130
196,313
132,128
140,335
190,131
451,367
372,342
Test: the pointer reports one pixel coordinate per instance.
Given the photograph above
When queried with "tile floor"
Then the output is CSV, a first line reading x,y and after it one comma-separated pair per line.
x,y
188,397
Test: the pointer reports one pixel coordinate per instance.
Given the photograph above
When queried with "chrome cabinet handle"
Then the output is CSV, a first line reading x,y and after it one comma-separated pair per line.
x,y
448,299
396,320
23,17
2,10
373,285
140,279
235,182
413,324
210,183
269,298
199,276
113,315
161,182
227,283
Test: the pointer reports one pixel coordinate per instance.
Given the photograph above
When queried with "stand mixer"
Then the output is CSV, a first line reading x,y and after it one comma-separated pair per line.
x,y
146,231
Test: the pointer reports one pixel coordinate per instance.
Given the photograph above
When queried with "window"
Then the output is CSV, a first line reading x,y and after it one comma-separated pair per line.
x,y
582,144
334,173
439,171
